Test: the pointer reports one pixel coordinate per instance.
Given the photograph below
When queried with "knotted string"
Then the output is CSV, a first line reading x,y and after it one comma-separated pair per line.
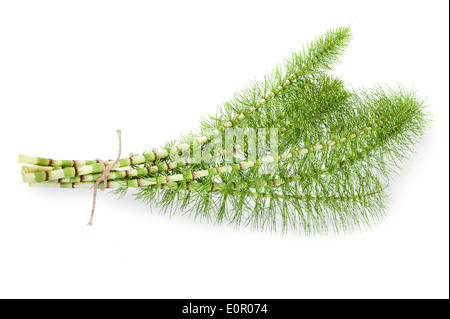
x,y
104,177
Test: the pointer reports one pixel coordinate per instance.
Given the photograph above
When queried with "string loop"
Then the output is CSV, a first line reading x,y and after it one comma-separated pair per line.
x,y
104,177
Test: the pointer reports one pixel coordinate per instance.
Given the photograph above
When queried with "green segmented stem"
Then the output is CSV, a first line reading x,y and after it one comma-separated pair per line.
x,y
41,161
144,171
166,180
91,177
97,168
32,169
278,89
136,172
72,168
128,161
110,184
134,160
93,168
48,164
77,182
243,185
140,171
272,182
121,174
270,159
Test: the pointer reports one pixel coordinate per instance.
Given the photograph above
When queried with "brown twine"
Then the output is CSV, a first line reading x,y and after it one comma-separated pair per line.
x,y
104,177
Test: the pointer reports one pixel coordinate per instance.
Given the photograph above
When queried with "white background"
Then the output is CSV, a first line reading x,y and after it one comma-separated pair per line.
x,y
72,72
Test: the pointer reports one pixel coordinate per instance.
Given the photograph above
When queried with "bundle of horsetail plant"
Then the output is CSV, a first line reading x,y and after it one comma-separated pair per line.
x,y
299,150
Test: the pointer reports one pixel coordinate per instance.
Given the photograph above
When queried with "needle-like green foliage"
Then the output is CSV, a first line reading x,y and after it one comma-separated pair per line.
x,y
336,150
336,179
315,59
